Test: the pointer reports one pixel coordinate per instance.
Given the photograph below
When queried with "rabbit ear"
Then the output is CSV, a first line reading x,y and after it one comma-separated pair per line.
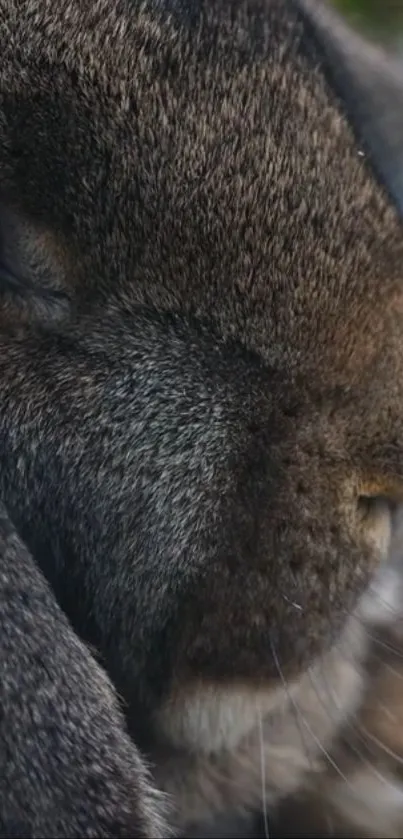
x,y
370,83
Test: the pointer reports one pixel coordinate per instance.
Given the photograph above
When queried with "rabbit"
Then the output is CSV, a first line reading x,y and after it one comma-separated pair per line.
x,y
358,788
200,405
61,722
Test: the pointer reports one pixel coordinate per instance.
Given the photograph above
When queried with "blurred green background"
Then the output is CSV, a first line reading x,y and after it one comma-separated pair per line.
x,y
382,19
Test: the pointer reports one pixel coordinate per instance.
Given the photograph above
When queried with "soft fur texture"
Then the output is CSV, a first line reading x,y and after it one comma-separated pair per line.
x,y
201,395
357,789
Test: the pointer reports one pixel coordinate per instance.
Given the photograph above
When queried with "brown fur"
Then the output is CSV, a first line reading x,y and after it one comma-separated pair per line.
x,y
357,788
201,364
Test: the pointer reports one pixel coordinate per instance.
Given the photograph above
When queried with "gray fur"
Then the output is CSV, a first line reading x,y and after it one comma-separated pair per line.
x,y
200,358
67,766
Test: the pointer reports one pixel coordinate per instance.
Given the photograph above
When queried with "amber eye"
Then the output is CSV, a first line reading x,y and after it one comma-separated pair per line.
x,y
377,503
376,516
368,505
374,494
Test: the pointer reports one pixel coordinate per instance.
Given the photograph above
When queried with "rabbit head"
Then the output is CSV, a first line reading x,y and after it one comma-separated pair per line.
x,y
201,351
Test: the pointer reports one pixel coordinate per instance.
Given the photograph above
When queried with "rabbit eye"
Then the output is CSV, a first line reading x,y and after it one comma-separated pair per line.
x,y
375,514
390,490
369,504
378,497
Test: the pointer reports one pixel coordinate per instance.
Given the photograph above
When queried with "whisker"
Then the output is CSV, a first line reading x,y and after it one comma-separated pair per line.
x,y
299,713
352,721
263,774
393,609
382,746
347,722
363,624
389,667
383,644
292,602
388,713
296,710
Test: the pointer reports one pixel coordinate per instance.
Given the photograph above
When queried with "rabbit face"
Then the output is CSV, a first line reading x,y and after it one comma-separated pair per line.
x,y
246,527
203,450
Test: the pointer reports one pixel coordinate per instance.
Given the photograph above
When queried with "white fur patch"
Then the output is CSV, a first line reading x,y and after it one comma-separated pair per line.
x,y
228,737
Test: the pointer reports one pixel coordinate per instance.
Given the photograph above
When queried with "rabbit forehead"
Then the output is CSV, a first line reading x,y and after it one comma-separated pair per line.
x,y
270,222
